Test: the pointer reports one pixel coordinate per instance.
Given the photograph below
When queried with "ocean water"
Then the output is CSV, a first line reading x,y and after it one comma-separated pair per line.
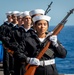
x,y
66,37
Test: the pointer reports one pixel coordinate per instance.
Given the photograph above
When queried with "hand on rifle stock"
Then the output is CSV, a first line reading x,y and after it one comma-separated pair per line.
x,y
31,67
33,61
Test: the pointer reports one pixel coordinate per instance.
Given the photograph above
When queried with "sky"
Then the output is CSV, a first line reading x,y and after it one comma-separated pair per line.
x,y
59,8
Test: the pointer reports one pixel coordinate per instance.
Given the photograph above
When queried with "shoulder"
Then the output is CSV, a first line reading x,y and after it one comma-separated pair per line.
x,y
5,23
18,31
21,29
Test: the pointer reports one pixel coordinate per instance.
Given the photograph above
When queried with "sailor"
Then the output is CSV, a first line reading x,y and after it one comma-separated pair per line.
x,y
6,55
6,23
19,19
12,28
35,43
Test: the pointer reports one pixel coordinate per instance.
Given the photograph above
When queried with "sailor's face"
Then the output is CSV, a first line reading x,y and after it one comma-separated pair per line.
x,y
19,18
27,21
41,26
14,17
9,16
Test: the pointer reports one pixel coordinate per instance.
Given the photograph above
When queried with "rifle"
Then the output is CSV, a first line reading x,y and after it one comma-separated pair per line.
x,y
8,50
31,68
47,10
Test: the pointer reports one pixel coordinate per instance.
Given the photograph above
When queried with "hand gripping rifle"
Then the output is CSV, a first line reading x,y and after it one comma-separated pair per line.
x,y
30,69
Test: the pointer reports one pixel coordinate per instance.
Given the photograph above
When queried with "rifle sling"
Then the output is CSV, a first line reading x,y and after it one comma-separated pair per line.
x,y
49,52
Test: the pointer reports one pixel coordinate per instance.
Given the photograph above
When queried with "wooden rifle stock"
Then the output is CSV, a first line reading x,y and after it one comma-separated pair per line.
x,y
8,50
31,68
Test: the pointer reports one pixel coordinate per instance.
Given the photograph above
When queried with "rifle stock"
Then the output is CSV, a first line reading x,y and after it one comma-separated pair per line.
x,y
8,50
31,68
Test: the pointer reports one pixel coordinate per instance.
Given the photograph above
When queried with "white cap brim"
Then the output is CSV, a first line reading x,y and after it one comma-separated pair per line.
x,y
41,17
26,13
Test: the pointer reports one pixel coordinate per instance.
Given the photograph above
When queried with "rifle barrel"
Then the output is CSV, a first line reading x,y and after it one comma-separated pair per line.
x,y
47,10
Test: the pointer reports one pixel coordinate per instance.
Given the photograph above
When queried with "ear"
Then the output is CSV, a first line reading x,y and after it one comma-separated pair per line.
x,y
34,26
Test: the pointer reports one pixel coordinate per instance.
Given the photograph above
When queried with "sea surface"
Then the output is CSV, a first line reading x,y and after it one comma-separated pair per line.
x,y
66,37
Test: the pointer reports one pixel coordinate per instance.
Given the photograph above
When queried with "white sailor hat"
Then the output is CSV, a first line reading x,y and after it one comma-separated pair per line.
x,y
15,12
20,14
9,13
26,13
37,11
41,17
